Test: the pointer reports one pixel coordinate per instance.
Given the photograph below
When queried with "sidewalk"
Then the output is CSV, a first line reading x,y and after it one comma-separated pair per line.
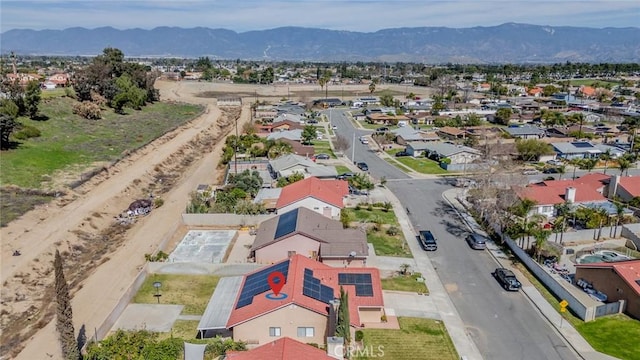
x,y
563,327
438,296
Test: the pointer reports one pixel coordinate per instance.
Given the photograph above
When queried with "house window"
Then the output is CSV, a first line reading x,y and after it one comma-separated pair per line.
x,y
290,253
274,331
306,332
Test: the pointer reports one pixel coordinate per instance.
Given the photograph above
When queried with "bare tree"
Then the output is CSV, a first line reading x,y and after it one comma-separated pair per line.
x,y
341,143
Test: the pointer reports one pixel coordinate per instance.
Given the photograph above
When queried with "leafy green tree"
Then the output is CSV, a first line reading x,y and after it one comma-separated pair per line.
x,y
14,92
32,96
309,132
532,149
286,180
248,181
549,90
372,87
503,116
64,313
140,344
129,95
343,326
345,218
8,125
541,236
624,163
386,100
588,164
606,157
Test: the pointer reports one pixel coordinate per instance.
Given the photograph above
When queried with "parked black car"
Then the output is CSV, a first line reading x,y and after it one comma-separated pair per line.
x,y
427,240
507,279
402,153
551,170
345,176
363,166
322,156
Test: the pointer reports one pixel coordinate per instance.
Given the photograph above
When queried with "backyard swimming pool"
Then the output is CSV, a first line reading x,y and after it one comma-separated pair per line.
x,y
602,256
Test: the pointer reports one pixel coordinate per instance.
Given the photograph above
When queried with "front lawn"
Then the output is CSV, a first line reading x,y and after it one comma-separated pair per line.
x,y
421,165
386,242
407,282
341,169
192,291
614,335
416,339
323,147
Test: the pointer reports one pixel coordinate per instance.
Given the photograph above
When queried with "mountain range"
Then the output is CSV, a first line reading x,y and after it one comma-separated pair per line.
x,y
506,43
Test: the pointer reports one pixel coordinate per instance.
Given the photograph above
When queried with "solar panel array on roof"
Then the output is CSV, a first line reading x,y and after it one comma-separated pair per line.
x,y
362,283
257,283
286,223
314,289
582,144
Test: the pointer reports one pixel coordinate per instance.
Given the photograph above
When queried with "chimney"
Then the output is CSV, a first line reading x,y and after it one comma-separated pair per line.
x,y
614,181
570,194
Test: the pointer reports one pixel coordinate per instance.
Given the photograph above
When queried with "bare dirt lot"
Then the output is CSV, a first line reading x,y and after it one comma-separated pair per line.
x,y
102,257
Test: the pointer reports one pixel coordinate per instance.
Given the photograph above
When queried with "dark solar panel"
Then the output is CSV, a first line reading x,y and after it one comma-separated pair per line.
x,y
257,283
362,283
286,223
314,289
582,144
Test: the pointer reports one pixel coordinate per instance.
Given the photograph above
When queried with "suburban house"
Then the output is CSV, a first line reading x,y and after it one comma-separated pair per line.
x,y
299,149
308,233
284,125
451,133
535,92
294,118
325,197
586,191
406,134
268,197
576,150
420,118
283,348
567,131
525,132
293,135
587,91
59,79
458,154
385,119
305,307
618,280
624,187
289,164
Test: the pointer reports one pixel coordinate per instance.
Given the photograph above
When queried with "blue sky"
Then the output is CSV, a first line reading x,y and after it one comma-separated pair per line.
x,y
354,15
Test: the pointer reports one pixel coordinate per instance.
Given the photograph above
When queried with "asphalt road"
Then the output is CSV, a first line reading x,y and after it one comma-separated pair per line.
x,y
377,167
504,325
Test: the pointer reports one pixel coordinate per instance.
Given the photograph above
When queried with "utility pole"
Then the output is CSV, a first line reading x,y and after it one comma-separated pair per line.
x,y
353,148
235,152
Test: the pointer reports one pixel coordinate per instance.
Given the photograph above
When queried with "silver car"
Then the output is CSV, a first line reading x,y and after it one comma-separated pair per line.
x,y
477,241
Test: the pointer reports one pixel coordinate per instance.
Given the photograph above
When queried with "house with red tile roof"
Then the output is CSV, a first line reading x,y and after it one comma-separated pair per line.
x,y
283,348
587,91
303,309
618,280
322,196
587,189
535,92
624,187
59,79
305,232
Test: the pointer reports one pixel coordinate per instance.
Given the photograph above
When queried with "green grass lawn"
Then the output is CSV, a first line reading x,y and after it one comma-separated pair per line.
x,y
70,142
397,164
416,339
341,169
591,82
365,215
192,291
421,165
405,283
183,329
615,335
383,243
323,147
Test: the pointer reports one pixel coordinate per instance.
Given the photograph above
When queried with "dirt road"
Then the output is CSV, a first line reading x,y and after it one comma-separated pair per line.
x,y
40,232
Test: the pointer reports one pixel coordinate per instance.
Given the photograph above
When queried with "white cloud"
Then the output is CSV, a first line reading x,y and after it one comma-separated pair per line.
x,y
332,14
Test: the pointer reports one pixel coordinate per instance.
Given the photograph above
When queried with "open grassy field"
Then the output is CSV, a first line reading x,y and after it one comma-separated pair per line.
x,y
192,291
615,335
69,142
405,283
15,202
592,82
416,339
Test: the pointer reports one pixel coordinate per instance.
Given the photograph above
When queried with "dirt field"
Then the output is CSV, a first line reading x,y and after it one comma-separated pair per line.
x,y
103,258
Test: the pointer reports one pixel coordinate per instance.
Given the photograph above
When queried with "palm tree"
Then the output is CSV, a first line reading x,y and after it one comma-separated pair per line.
x,y
606,157
541,236
322,82
624,163
522,210
589,164
561,171
279,149
619,216
575,162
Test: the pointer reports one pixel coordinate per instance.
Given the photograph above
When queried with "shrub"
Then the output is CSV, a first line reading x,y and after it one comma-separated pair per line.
x,y
358,207
393,231
26,132
157,202
383,318
87,110
370,207
387,206
359,335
